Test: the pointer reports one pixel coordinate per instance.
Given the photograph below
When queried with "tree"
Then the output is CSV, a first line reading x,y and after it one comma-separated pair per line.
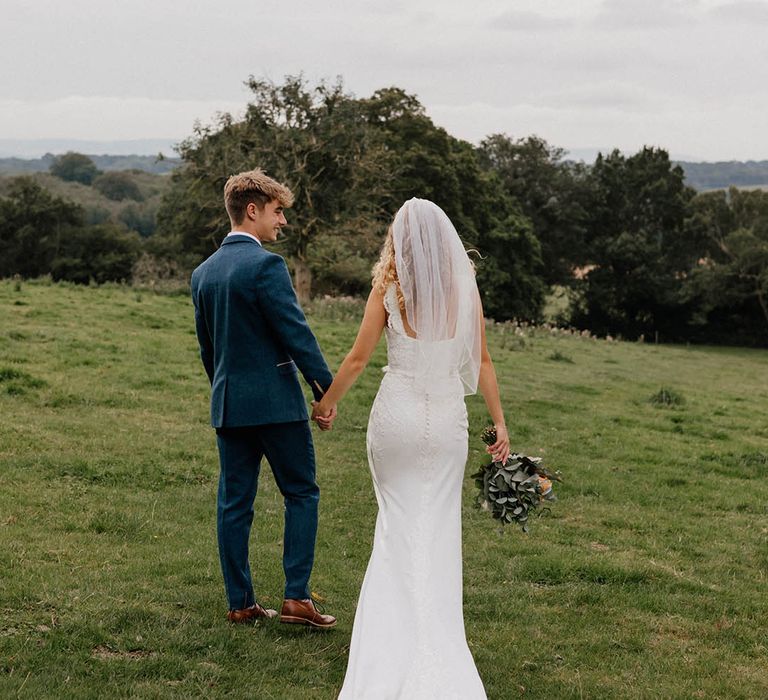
x,y
42,234
33,225
118,186
553,193
140,218
352,163
637,247
730,279
103,253
314,139
74,167
430,163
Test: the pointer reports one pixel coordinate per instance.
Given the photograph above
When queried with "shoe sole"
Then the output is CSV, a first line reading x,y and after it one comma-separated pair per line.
x,y
290,620
253,618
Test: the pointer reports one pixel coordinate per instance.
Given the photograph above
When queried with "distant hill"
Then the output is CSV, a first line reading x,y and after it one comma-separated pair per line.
x,y
36,148
715,176
701,176
139,214
147,164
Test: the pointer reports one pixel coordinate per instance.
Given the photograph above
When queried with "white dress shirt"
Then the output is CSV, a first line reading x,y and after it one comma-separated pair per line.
x,y
243,233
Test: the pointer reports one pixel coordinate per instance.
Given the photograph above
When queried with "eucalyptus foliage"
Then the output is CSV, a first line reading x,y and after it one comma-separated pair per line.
x,y
515,489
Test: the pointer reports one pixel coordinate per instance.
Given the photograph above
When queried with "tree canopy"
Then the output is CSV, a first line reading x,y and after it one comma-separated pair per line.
x,y
729,283
636,247
351,163
118,186
74,167
33,224
43,234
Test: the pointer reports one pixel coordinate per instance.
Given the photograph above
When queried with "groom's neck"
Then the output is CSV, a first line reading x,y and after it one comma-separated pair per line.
x,y
245,226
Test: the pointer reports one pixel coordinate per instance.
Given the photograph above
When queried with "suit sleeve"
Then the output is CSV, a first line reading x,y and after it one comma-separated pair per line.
x,y
203,339
284,315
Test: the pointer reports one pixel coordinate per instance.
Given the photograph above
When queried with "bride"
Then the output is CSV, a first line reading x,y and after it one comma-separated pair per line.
x,y
408,639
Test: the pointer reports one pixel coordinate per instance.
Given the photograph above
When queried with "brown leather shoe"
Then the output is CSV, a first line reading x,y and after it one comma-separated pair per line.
x,y
251,614
305,612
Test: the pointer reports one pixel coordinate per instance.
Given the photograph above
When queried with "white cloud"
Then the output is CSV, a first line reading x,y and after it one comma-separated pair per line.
x,y
106,118
609,95
686,74
634,15
747,11
680,127
526,21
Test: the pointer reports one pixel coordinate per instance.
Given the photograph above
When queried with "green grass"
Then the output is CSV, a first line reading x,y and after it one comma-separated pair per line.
x,y
647,580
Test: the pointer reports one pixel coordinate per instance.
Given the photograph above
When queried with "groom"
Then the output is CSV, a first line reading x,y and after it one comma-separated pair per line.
x,y
253,339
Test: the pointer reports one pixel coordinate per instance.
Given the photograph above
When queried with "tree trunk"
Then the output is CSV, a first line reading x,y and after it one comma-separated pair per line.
x,y
763,305
302,280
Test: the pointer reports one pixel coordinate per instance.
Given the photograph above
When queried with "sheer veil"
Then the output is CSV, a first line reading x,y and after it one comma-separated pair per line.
x,y
442,303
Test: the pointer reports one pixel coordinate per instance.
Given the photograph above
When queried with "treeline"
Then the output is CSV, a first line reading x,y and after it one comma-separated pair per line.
x,y
700,176
711,176
78,223
158,165
637,251
41,233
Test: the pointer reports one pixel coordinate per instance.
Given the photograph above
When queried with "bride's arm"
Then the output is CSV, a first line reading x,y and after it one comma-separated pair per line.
x,y
489,388
356,360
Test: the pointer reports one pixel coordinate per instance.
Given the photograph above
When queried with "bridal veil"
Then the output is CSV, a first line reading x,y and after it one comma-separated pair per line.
x,y
442,303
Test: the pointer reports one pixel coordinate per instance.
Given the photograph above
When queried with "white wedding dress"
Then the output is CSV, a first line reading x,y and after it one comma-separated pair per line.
x,y
408,640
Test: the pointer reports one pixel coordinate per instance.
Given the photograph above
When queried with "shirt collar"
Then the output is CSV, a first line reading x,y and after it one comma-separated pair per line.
x,y
243,233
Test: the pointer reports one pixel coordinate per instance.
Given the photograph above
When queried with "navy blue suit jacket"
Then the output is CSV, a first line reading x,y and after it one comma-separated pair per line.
x,y
253,337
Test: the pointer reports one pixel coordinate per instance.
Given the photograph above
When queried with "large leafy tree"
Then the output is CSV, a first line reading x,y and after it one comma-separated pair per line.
x,y
314,139
730,279
351,163
74,167
432,164
34,225
637,247
553,193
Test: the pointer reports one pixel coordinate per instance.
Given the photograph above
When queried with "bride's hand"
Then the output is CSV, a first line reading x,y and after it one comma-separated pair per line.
x,y
499,451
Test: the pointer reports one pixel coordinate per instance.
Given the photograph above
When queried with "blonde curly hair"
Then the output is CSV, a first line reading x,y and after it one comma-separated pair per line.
x,y
384,271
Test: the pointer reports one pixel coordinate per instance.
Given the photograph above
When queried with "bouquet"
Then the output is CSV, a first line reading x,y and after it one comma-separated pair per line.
x,y
512,491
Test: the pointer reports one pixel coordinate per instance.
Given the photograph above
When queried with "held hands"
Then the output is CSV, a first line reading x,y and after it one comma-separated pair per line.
x,y
323,415
499,451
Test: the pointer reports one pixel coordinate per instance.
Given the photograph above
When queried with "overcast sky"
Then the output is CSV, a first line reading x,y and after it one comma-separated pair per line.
x,y
688,75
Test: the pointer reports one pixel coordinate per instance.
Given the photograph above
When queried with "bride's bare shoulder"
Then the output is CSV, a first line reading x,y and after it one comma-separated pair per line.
x,y
376,294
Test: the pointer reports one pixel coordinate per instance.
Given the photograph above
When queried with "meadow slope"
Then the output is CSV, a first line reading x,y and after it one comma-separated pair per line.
x,y
646,580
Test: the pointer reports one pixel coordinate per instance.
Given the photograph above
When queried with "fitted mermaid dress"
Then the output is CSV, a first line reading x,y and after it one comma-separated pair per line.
x,y
408,639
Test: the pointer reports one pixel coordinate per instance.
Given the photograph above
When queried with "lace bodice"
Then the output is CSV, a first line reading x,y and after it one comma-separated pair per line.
x,y
403,350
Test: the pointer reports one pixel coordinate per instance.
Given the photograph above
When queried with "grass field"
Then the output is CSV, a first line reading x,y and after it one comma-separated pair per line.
x,y
647,580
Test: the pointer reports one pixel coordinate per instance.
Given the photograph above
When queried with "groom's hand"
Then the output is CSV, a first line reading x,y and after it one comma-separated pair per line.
x,y
323,418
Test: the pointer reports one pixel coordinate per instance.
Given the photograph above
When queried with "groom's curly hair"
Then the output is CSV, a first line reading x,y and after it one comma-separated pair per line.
x,y
253,186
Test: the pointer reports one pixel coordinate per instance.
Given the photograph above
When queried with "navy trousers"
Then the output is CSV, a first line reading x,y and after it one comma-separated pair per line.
x,y
289,450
